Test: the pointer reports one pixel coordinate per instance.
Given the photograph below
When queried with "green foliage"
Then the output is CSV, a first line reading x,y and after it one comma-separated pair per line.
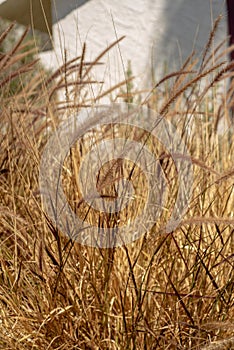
x,y
18,53
129,86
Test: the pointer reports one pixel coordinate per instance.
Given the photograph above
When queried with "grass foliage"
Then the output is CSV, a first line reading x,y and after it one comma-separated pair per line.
x,y
164,291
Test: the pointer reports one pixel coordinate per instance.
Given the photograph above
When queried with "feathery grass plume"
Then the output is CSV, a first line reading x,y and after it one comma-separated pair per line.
x,y
224,344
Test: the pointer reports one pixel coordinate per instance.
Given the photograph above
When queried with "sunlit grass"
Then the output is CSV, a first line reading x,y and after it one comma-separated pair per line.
x,y
164,291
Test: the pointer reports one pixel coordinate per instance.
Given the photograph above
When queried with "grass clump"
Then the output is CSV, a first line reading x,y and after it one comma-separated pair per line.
x,y
166,290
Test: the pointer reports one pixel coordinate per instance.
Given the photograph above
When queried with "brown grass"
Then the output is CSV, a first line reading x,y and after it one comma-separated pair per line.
x,y
164,291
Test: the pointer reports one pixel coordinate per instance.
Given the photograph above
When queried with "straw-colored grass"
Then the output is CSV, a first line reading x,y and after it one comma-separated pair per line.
x,y
164,291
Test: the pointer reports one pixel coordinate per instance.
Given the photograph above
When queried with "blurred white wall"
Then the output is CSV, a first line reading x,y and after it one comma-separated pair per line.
x,y
158,33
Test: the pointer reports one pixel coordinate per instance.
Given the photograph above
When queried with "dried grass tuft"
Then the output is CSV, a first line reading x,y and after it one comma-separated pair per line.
x,y
166,290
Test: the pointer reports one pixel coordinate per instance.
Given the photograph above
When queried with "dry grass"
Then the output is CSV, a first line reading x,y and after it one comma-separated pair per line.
x,y
164,291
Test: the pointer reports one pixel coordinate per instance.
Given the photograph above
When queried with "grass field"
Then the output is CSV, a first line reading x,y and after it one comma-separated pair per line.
x,y
166,290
